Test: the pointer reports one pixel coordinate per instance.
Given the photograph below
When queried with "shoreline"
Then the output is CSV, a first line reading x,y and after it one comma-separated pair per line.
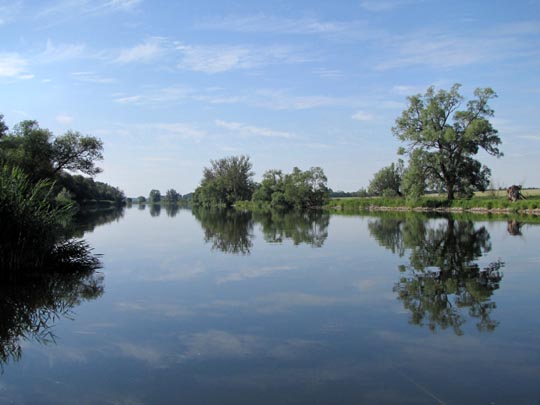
x,y
451,210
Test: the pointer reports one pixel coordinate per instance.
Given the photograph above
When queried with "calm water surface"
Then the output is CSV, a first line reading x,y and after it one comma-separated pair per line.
x,y
213,308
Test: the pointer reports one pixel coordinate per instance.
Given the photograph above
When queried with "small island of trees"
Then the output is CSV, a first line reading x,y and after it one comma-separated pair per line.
x,y
229,181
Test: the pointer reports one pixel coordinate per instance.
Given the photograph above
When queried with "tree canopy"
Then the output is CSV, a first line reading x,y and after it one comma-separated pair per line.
x,y
299,189
225,182
387,181
441,140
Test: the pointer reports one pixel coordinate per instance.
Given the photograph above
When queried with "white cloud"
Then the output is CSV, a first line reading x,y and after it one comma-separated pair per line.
x,y
444,50
363,116
328,73
8,11
57,53
148,51
218,59
64,119
281,100
385,5
13,66
261,23
159,96
250,130
57,11
90,77
128,100
408,90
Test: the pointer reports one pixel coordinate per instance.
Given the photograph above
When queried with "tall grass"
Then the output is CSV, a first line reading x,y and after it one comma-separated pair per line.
x,y
30,230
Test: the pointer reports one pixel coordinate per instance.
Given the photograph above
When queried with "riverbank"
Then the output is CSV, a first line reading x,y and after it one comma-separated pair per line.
x,y
480,205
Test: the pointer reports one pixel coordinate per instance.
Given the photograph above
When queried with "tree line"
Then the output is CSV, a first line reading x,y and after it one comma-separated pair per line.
x,y
229,180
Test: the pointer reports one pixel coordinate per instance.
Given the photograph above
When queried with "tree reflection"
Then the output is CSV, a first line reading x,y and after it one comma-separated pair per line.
x,y
301,227
172,210
230,231
155,210
442,284
87,220
31,302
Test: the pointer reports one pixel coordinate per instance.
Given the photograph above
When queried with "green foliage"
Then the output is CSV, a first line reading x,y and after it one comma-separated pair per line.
x,y
85,190
29,147
387,181
43,157
172,196
141,199
30,235
75,152
298,190
154,197
3,127
225,182
441,141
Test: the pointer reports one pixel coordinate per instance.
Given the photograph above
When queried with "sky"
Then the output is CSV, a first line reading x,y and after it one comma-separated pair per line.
x,y
169,86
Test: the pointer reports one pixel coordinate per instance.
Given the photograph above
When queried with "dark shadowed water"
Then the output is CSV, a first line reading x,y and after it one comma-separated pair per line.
x,y
218,307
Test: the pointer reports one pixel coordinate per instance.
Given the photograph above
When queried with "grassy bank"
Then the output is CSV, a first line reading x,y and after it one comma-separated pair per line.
x,y
489,204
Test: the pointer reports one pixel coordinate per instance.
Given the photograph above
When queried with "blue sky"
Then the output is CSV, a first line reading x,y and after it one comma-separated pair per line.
x,y
169,85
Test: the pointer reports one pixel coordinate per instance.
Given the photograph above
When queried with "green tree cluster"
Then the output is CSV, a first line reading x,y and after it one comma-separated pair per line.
x,y
387,181
225,182
42,156
172,196
297,190
154,196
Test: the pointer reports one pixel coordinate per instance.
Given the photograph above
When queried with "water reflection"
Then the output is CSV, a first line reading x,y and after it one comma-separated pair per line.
x,y
301,227
227,230
32,302
172,210
155,210
231,231
87,220
514,227
442,285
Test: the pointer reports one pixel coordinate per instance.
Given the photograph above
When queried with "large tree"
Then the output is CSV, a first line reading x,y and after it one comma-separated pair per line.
x,y
442,139
225,182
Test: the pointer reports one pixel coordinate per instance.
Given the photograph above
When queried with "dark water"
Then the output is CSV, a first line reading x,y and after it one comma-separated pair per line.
x,y
211,307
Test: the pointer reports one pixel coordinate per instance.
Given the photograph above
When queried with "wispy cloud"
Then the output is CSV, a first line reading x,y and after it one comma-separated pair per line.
x,y
217,59
328,73
64,119
148,51
262,23
363,116
90,77
64,8
129,99
159,96
250,130
439,49
9,10
282,100
385,5
13,66
61,52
